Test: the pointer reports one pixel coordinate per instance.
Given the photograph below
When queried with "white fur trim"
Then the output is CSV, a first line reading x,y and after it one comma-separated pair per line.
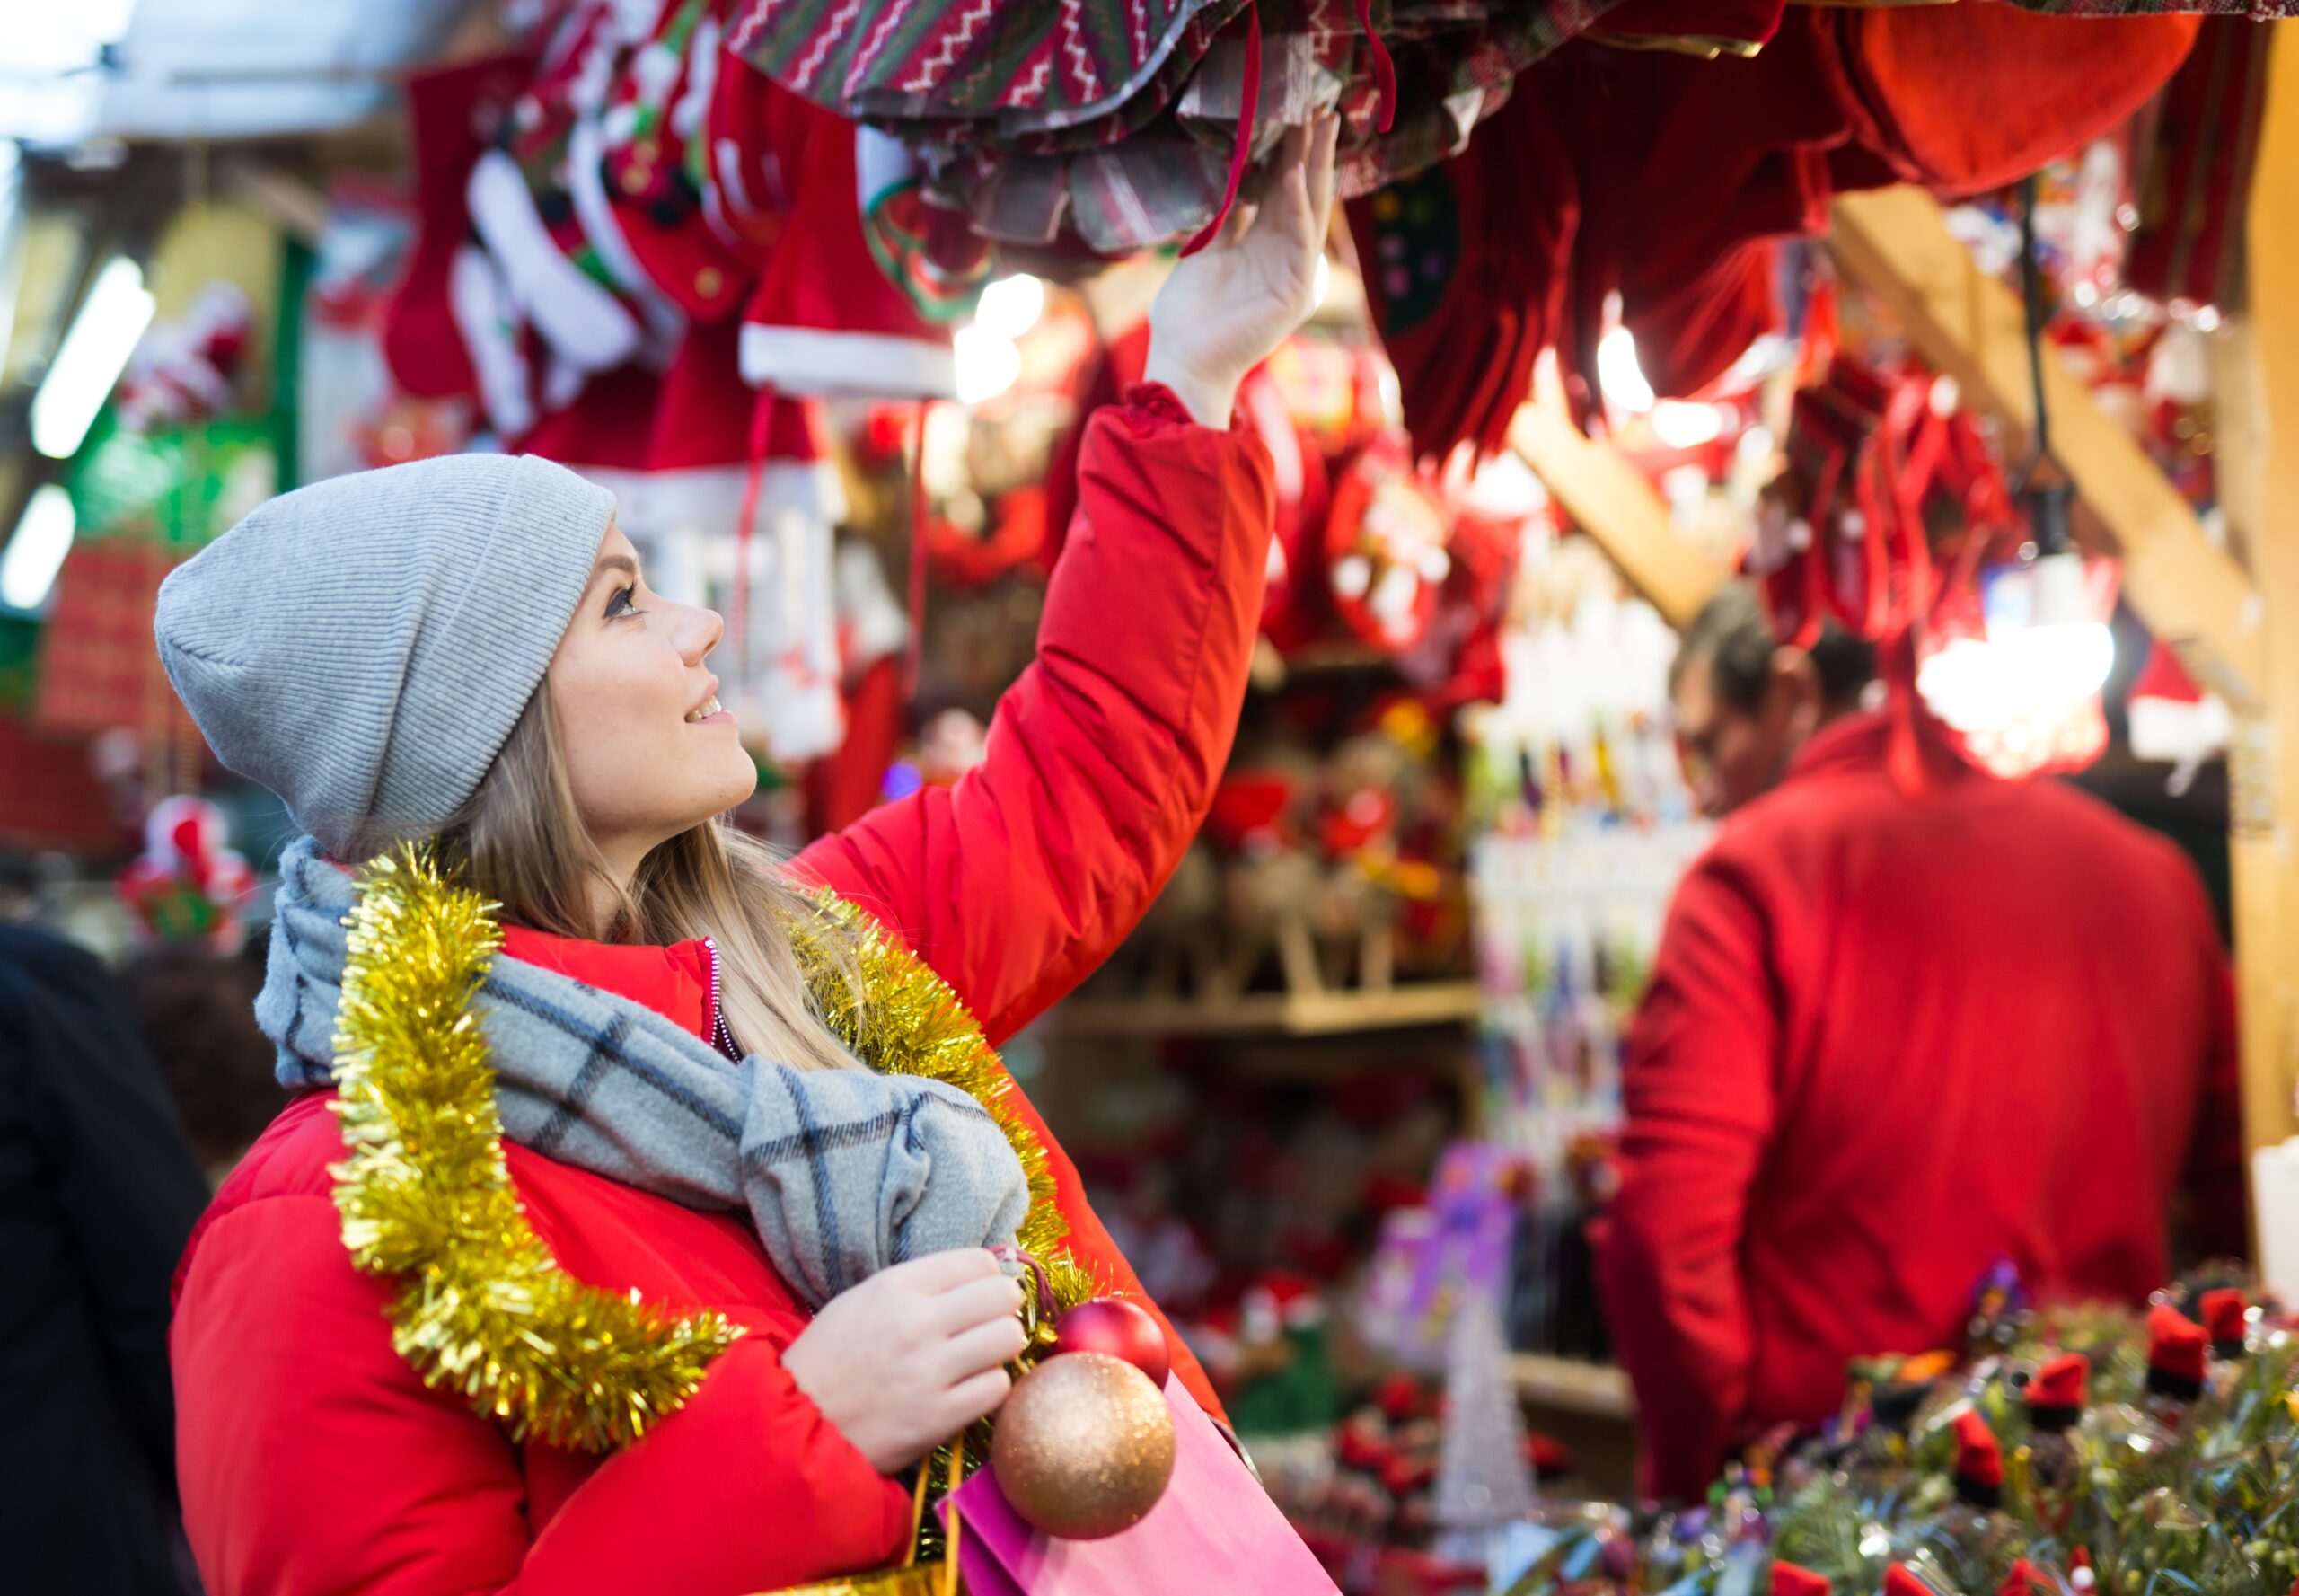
x,y
488,322
578,317
875,365
708,498
2170,730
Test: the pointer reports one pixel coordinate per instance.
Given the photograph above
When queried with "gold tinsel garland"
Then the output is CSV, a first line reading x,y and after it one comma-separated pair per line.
x,y
909,1022
484,1309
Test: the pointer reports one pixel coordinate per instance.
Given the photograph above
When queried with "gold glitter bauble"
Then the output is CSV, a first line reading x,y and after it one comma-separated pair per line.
x,y
1085,1446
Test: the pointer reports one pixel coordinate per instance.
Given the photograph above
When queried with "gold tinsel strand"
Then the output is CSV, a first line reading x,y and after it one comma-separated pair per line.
x,y
482,1308
919,1579
907,1021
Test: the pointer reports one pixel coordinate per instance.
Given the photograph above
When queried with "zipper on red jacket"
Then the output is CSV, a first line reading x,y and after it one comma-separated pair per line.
x,y
721,1037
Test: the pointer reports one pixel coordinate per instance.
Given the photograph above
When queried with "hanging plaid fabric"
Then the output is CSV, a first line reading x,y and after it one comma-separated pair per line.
x,y
1071,133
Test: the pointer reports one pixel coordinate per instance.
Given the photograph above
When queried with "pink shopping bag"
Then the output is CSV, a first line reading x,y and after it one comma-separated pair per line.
x,y
1214,1530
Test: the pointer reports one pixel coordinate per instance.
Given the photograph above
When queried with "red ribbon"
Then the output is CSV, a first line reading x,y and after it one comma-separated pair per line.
x,y
1248,105
913,646
1385,69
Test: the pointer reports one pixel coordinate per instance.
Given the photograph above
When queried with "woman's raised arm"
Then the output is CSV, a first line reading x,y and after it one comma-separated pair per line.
x,y
1104,756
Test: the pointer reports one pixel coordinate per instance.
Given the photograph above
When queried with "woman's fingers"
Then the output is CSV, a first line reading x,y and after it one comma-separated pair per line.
x,y
971,1399
939,1272
977,1351
975,1302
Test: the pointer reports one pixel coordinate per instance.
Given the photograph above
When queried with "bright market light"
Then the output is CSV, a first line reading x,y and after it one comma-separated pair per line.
x,y
1617,370
2035,675
1011,306
2042,659
1684,426
89,361
36,553
987,364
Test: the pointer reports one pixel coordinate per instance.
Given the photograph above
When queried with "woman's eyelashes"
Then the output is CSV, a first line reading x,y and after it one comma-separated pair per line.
x,y
621,602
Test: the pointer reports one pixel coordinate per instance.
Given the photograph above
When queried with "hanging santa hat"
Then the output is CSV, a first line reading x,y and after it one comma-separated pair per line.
x,y
824,319
1899,1582
2171,719
2025,1579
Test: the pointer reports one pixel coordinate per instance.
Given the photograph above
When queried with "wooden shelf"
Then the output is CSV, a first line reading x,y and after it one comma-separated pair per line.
x,y
1309,1014
1570,1386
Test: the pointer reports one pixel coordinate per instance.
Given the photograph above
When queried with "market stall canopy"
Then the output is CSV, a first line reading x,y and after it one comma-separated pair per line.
x,y
205,68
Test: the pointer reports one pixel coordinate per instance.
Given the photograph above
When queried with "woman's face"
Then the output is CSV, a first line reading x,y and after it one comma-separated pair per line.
x,y
648,751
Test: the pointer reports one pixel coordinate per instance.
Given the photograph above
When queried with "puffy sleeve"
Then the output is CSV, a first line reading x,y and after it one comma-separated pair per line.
x,y
1697,1084
314,1459
1016,881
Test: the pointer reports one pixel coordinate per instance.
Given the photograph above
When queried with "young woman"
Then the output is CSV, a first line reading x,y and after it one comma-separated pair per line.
x,y
467,651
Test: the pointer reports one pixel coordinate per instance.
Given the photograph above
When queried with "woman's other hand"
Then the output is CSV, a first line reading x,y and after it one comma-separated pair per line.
x,y
913,1355
1226,307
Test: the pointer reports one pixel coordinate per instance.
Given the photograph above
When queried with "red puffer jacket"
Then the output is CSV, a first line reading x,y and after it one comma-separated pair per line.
x,y
312,1457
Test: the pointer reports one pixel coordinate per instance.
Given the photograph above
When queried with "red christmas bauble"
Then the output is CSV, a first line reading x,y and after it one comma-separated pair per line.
x,y
1119,1329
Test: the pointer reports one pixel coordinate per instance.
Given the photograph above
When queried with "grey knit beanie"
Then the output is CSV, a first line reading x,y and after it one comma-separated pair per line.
x,y
363,646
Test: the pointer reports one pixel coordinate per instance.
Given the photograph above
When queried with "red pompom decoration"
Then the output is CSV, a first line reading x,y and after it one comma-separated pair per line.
x,y
1117,1328
1788,1580
2060,1383
2224,1314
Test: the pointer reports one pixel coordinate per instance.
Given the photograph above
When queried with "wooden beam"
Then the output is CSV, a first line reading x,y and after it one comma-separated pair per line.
x,y
2257,394
1608,498
1895,244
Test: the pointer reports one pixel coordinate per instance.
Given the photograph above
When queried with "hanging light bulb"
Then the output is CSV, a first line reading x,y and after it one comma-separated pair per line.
x,y
1617,368
2044,657
1011,306
987,364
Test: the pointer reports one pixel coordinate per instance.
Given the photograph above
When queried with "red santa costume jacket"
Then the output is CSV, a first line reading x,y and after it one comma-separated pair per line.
x,y
1888,1040
313,1460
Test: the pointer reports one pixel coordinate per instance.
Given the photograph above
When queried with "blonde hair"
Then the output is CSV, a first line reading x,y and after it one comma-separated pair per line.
x,y
522,842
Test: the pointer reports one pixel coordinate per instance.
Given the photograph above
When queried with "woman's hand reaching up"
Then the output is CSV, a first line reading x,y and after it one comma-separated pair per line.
x,y
1226,307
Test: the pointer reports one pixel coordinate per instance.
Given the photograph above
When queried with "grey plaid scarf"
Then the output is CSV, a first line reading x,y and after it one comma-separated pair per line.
x,y
843,1171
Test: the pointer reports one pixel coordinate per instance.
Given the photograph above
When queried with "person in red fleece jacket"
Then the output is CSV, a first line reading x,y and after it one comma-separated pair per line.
x,y
1890,1039
314,1456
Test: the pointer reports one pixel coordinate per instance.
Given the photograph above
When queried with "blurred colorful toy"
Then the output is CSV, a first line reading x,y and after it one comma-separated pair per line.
x,y
187,885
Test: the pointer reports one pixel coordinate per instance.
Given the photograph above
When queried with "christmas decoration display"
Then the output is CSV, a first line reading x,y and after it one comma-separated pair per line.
x,y
187,370
1610,174
1084,1446
2073,1449
639,257
1073,134
187,885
